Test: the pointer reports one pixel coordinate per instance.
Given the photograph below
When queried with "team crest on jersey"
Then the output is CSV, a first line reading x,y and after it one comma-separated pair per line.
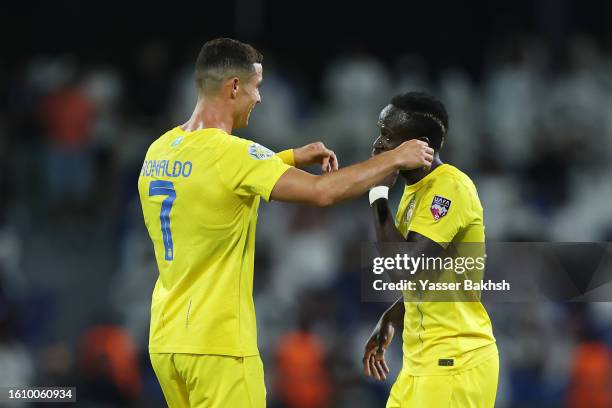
x,y
409,211
259,152
439,207
177,141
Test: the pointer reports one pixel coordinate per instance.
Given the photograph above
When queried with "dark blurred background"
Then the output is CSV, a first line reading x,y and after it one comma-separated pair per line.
x,y
85,87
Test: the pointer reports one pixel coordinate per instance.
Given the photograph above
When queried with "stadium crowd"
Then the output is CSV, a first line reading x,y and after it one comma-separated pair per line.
x,y
77,268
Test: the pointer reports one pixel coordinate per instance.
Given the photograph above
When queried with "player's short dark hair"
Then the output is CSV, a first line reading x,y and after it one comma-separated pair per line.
x,y
224,58
425,116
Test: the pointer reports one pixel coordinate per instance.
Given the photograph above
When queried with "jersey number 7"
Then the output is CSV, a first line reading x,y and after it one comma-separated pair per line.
x,y
162,187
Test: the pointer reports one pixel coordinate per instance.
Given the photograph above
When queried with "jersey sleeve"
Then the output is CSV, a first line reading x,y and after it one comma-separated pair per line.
x,y
248,168
442,211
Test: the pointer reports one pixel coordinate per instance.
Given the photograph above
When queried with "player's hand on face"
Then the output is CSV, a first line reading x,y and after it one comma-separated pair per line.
x,y
374,364
414,154
316,153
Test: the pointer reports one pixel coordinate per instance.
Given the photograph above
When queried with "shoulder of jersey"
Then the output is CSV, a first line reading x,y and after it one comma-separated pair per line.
x,y
164,139
459,177
175,138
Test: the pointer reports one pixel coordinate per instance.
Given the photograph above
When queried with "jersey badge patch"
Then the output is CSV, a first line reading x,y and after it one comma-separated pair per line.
x,y
409,211
259,152
177,141
439,207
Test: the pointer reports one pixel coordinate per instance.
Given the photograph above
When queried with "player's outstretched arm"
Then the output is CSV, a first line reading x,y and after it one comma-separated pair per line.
x,y
374,363
331,188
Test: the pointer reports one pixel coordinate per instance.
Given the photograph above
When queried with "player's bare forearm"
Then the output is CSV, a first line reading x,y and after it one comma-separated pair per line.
x,y
355,180
394,315
333,187
384,225
337,186
374,363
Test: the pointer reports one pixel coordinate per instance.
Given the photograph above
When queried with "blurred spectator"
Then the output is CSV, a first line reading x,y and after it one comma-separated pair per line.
x,y
68,116
149,86
309,260
302,378
107,359
591,379
17,366
357,86
513,91
58,365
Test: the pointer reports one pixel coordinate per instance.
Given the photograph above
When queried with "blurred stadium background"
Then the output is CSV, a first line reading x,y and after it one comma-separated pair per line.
x,y
85,87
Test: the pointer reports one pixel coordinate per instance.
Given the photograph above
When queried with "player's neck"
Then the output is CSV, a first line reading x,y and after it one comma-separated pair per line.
x,y
211,113
414,176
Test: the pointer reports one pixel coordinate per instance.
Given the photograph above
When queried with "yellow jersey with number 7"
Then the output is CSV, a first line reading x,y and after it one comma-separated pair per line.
x,y
200,193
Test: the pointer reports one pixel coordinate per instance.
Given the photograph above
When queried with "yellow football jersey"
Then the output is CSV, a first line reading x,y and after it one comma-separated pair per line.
x,y
444,336
200,193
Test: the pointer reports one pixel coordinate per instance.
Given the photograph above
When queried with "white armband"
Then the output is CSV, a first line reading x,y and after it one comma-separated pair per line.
x,y
378,192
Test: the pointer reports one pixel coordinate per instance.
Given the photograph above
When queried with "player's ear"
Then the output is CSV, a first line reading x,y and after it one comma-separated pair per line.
x,y
235,83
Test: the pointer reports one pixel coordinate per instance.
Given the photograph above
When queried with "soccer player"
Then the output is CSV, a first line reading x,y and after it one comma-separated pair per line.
x,y
450,358
200,189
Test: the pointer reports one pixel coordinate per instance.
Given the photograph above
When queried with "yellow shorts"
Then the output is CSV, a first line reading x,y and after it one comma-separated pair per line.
x,y
475,387
210,381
